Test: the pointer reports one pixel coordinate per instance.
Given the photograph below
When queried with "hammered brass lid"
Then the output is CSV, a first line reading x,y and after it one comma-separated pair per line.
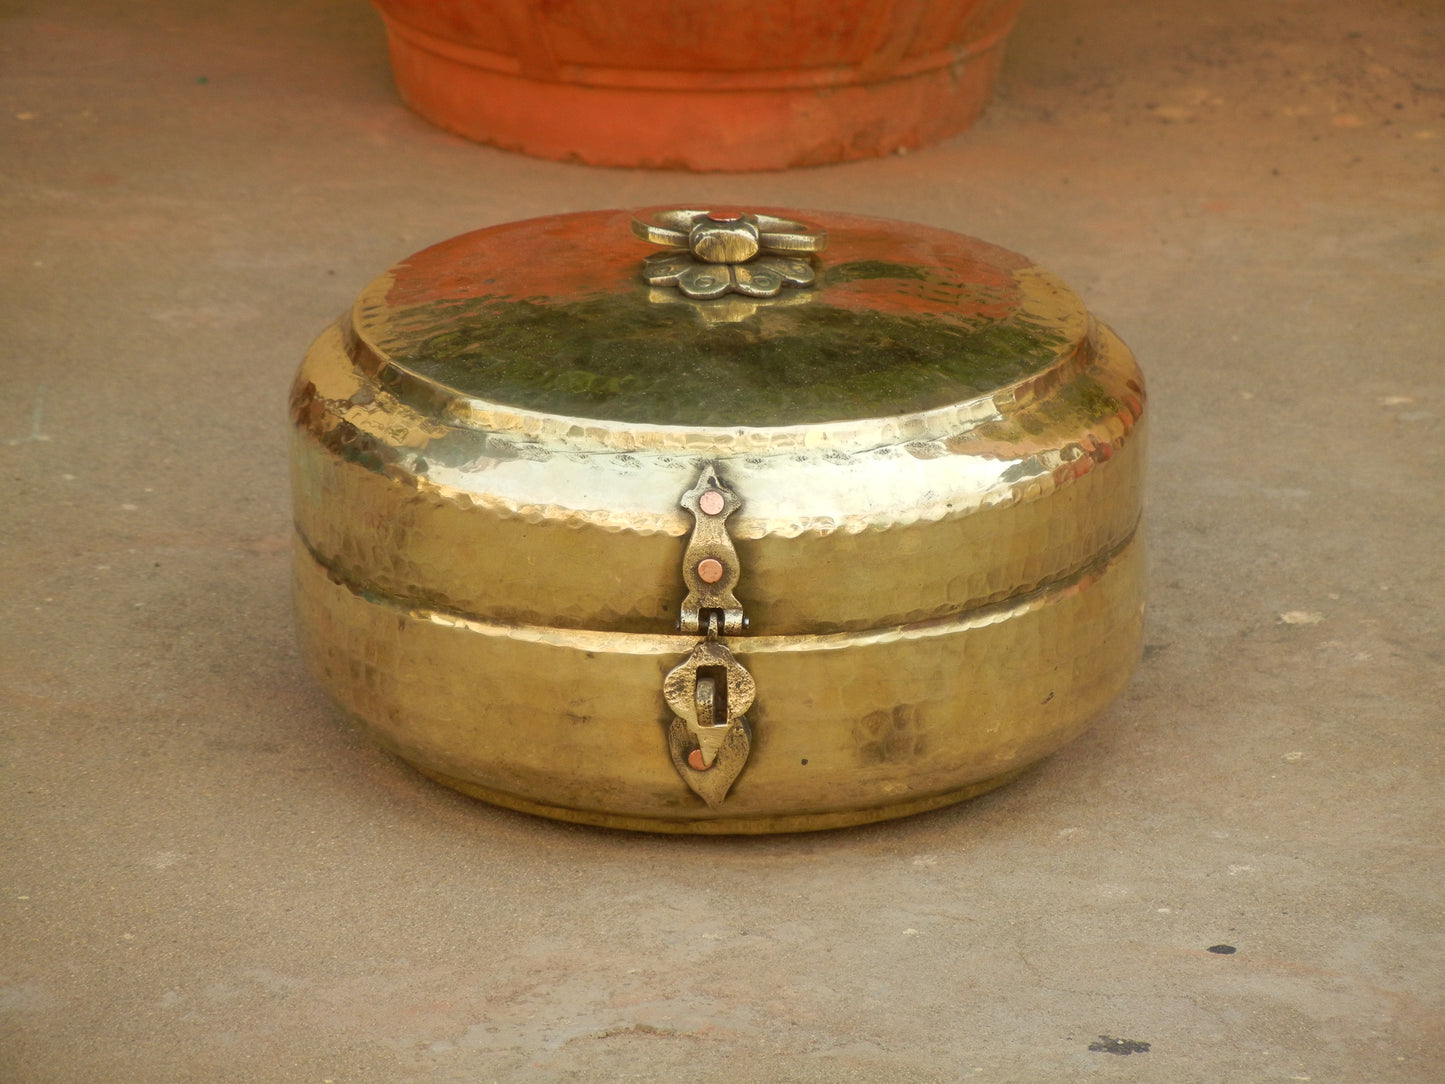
x,y
509,418
555,316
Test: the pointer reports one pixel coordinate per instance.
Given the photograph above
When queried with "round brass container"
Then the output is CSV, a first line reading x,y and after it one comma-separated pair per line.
x,y
934,457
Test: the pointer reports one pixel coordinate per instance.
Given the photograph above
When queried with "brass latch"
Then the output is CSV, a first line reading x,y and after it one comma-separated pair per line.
x,y
710,691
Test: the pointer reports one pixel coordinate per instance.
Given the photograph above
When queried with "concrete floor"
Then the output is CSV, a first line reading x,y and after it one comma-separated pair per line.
x,y
207,874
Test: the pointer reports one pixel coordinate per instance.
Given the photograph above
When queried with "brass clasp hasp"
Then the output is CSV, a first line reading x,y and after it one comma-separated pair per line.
x,y
709,692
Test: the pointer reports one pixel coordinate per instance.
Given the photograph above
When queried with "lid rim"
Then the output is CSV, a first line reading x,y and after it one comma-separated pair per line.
x,y
583,434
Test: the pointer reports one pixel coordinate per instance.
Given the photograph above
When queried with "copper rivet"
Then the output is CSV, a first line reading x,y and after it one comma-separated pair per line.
x,y
694,761
709,570
712,502
724,216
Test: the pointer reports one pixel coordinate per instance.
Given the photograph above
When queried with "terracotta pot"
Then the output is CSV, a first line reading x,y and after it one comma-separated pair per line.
x,y
693,85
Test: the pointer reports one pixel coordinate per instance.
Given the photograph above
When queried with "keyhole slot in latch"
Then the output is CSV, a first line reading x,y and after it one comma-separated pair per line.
x,y
711,696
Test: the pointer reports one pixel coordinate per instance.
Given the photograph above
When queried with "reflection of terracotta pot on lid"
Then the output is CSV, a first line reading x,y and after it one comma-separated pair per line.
x,y
694,85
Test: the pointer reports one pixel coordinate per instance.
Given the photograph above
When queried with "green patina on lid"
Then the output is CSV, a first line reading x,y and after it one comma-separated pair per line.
x,y
553,316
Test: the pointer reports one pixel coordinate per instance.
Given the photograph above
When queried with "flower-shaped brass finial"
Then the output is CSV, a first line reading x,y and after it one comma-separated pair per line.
x,y
721,252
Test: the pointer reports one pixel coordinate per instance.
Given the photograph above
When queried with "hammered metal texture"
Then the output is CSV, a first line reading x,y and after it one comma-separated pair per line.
x,y
941,525
937,598
847,726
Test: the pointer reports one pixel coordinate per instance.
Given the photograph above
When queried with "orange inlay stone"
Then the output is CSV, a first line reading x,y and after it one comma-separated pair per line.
x,y
712,502
709,570
694,761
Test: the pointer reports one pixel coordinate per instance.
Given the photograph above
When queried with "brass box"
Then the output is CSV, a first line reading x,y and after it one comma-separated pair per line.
x,y
806,520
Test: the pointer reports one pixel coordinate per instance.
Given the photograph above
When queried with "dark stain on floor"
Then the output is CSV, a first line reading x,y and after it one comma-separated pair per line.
x,y
1107,1044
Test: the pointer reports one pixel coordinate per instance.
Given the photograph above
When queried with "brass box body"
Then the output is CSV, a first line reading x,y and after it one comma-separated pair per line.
x,y
939,591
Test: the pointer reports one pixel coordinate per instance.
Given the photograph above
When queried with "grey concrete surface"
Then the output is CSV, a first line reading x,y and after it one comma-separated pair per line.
x,y
207,874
